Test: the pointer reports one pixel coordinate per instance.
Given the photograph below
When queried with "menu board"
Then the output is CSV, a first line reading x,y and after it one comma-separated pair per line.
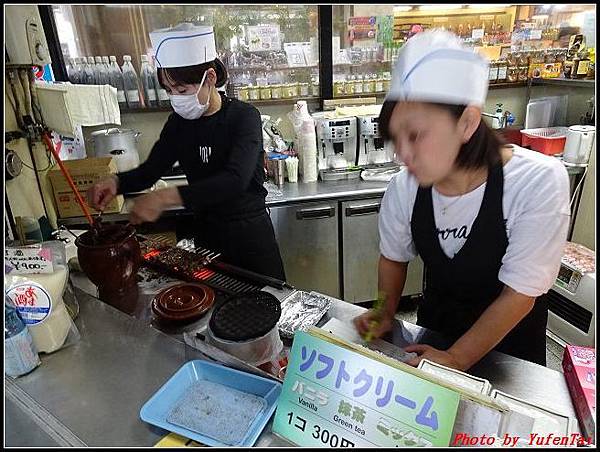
x,y
336,397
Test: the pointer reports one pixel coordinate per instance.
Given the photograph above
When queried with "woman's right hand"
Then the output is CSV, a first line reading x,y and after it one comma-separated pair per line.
x,y
376,324
102,192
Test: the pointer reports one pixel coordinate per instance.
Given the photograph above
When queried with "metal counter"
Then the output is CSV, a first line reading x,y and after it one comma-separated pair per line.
x,y
290,194
90,393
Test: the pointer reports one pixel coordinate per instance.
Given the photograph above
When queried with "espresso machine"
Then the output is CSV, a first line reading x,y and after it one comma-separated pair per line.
x,y
337,147
373,151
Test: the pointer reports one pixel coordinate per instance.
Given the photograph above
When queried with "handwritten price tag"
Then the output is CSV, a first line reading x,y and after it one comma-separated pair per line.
x,y
26,261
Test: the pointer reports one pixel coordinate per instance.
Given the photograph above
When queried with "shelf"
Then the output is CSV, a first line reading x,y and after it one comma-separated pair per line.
x,y
581,83
362,64
271,68
354,96
264,102
507,85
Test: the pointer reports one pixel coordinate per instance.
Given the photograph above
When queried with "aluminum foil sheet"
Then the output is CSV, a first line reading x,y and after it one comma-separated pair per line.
x,y
302,310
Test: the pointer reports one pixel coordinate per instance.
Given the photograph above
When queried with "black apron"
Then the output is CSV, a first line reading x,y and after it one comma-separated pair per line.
x,y
246,240
458,290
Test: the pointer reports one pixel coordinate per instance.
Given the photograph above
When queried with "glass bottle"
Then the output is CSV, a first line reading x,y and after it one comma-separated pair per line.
x,y
131,81
115,77
89,77
100,74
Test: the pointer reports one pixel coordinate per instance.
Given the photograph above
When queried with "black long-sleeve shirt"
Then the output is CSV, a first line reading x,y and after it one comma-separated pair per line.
x,y
221,156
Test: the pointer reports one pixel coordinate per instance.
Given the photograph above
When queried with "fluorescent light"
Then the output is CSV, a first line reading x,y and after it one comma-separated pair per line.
x,y
540,17
432,7
559,7
547,7
402,8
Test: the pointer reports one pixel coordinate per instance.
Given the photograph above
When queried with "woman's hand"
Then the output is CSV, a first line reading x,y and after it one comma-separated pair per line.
x,y
149,207
103,192
445,358
370,322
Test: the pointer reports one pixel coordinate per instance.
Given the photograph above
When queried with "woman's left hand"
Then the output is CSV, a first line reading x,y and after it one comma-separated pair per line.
x,y
442,357
147,208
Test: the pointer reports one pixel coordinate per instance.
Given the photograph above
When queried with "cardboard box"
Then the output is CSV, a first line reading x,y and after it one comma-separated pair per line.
x,y
85,173
579,365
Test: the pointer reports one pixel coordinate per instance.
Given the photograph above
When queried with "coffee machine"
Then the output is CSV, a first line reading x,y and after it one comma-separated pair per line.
x,y
337,147
373,151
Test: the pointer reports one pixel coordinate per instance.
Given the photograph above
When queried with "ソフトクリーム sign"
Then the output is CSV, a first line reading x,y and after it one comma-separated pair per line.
x,y
335,397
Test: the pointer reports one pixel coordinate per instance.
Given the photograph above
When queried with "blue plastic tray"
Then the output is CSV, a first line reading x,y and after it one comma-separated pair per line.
x,y
157,408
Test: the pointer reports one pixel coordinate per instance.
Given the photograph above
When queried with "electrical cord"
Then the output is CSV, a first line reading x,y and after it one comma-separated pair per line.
x,y
577,188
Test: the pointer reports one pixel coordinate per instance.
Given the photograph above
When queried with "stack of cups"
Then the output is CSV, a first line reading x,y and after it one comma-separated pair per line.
x,y
291,164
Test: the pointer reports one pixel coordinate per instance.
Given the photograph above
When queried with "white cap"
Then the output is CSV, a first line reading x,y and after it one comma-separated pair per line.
x,y
183,45
434,66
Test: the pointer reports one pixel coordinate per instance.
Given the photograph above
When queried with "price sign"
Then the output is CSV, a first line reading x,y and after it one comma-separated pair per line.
x,y
24,260
335,397
264,37
535,34
477,33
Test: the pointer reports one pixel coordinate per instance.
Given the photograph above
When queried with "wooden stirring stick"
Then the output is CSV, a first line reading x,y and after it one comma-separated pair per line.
x,y
50,145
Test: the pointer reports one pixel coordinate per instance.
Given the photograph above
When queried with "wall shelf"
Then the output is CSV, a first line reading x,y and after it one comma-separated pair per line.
x,y
580,83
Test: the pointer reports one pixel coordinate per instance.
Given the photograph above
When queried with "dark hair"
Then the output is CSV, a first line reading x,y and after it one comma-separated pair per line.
x,y
482,149
193,74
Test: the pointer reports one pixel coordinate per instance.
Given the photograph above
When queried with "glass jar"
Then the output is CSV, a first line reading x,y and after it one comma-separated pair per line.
x,y
303,89
314,86
379,84
276,92
244,93
387,77
367,86
292,89
254,92
358,85
265,92
338,88
349,85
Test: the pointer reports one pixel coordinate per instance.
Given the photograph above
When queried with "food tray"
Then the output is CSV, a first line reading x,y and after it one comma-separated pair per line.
x,y
534,411
156,410
547,140
302,310
456,377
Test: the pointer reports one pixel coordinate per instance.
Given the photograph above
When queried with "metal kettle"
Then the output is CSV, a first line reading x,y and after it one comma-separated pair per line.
x,y
579,144
119,144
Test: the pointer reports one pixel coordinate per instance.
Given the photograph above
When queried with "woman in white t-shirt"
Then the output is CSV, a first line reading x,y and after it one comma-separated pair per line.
x,y
489,221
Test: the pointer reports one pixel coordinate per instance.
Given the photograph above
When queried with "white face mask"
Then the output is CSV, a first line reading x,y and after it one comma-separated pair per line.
x,y
187,105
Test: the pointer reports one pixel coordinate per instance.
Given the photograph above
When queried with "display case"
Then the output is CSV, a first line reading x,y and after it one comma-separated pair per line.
x,y
271,52
284,53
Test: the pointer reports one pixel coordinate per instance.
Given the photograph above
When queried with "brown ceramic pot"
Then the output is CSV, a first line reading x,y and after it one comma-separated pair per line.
x,y
111,261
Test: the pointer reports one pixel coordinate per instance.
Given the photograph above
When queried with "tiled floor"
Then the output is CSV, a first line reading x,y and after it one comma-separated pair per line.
x,y
554,351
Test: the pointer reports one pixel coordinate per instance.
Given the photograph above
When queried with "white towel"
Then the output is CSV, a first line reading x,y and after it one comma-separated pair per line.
x,y
65,106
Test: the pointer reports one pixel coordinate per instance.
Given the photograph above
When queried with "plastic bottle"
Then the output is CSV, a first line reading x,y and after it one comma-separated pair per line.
x,y
115,77
89,78
147,78
71,70
161,94
131,82
20,355
101,76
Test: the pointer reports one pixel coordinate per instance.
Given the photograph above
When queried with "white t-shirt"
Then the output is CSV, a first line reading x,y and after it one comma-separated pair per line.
x,y
536,212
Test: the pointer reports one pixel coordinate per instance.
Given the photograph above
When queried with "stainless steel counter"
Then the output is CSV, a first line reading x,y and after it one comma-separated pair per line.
x,y
91,393
287,194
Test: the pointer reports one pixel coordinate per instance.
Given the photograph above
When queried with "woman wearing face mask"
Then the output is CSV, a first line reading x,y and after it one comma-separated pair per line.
x,y
489,221
218,144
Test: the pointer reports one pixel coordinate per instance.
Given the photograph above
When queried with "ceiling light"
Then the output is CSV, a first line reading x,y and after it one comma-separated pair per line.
x,y
402,8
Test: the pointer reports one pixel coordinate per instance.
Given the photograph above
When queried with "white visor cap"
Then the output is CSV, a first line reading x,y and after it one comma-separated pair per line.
x,y
183,45
435,66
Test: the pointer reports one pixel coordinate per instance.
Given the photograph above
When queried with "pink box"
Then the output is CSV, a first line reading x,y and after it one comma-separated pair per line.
x,y
579,365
